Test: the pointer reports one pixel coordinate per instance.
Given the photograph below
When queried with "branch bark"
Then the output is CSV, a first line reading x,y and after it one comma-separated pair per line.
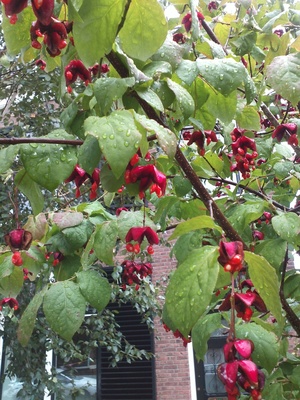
x,y
203,194
290,315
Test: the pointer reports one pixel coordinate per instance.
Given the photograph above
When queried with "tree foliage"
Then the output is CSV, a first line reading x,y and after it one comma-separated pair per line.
x,y
189,119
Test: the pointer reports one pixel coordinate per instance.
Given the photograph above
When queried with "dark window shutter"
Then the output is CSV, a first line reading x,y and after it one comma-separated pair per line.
x,y
135,381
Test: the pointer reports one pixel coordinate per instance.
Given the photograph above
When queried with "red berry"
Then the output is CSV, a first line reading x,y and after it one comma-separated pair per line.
x,y
228,268
150,250
136,248
236,260
17,259
129,247
69,75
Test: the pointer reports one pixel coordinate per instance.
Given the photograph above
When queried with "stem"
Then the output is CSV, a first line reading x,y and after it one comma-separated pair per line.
x,y
211,34
231,334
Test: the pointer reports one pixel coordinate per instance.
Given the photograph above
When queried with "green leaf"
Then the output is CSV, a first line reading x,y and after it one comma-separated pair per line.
x,y
70,239
225,75
105,241
163,207
17,35
77,236
89,154
33,260
219,106
96,27
184,99
246,213
67,267
64,308
202,331
284,77
28,319
118,138
202,222
144,30
49,164
182,185
272,250
109,181
265,281
31,190
37,226
248,118
274,390
244,43
170,52
67,219
190,289
107,90
6,266
187,71
88,256
95,209
266,347
166,138
185,244
151,98
157,68
95,289
287,226
291,286
7,157
11,285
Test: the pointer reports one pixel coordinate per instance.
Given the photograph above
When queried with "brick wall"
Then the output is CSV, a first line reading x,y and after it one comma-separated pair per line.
x,y
172,366
171,357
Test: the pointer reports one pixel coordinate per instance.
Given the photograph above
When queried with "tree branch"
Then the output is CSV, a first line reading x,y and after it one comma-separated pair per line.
x,y
203,194
290,315
13,140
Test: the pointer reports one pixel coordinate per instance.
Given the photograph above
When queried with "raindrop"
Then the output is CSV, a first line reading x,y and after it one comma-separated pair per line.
x,y
126,144
111,137
162,55
128,133
104,136
33,144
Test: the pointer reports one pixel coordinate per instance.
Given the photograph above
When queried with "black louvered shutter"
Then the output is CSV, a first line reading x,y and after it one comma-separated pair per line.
x,y
135,381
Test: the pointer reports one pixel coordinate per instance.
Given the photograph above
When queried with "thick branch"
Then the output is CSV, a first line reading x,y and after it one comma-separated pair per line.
x,y
203,194
290,315
206,197
14,140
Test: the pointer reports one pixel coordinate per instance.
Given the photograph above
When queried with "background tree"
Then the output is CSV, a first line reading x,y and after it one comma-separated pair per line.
x,y
194,121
